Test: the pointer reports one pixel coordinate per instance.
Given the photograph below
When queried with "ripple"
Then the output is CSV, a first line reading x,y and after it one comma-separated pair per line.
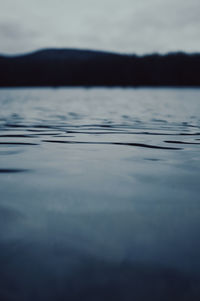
x,y
17,136
41,126
14,125
18,143
114,143
13,170
127,132
46,134
181,142
190,134
152,159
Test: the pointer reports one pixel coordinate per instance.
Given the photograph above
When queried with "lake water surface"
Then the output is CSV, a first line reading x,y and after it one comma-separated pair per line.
x,y
99,194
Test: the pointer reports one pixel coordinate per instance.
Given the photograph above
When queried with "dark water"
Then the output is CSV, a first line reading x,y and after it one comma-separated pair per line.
x,y
99,194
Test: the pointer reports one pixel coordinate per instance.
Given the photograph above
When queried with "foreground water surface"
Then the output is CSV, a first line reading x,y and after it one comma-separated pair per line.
x,y
99,194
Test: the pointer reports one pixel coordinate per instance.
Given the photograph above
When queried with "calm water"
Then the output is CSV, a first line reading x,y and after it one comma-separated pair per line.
x,y
99,194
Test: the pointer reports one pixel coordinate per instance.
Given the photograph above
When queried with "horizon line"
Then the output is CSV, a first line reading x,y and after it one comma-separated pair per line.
x,y
99,51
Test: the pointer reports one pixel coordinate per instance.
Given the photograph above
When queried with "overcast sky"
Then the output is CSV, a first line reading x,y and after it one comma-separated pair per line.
x,y
133,26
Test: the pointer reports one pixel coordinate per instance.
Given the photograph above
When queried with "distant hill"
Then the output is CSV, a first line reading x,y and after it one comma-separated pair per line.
x,y
73,67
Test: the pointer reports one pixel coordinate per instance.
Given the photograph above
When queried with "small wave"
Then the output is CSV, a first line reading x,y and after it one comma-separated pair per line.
x,y
190,134
15,125
13,170
114,143
18,143
63,136
40,126
46,134
118,132
181,142
17,136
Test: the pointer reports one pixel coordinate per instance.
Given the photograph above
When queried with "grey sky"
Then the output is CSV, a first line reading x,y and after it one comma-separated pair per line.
x,y
133,26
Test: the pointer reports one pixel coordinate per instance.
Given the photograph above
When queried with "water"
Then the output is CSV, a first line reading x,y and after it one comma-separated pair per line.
x,y
99,194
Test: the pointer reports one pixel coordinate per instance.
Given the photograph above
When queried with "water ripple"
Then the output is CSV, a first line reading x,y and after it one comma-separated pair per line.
x,y
17,136
181,142
99,194
18,143
13,170
114,143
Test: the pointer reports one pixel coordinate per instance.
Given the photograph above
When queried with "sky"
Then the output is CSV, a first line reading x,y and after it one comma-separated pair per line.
x,y
125,26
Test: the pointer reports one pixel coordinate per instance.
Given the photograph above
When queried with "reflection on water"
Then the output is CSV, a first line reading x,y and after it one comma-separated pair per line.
x,y
99,194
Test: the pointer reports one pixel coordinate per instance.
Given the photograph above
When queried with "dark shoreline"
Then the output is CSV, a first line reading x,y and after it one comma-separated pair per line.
x,y
84,68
